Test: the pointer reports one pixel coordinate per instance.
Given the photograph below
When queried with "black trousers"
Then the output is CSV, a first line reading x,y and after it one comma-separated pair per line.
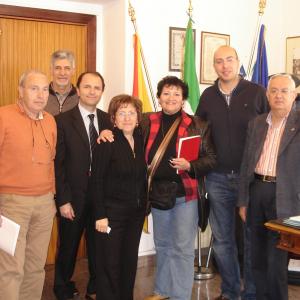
x,y
117,254
269,263
70,233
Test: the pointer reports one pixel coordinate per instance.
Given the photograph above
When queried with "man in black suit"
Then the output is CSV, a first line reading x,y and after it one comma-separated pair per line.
x,y
78,129
270,184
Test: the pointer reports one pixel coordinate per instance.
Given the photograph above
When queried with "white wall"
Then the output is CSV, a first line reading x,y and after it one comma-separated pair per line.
x,y
234,17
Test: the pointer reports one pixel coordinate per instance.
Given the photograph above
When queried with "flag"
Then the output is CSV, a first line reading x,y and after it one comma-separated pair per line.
x,y
260,70
139,86
189,68
139,90
242,71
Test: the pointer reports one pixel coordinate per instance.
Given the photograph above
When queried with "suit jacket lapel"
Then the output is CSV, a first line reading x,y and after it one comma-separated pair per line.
x,y
100,123
291,128
261,133
80,127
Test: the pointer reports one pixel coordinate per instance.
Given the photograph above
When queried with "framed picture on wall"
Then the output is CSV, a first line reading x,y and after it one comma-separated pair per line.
x,y
210,41
176,47
293,56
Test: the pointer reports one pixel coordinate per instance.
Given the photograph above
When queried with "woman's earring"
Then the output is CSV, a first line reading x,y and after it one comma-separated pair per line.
x,y
137,124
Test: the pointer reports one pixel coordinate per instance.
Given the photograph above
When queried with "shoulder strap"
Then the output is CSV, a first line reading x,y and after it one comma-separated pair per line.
x,y
161,151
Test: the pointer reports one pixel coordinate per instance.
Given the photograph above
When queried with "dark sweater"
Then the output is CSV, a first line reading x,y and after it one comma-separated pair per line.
x,y
229,123
118,174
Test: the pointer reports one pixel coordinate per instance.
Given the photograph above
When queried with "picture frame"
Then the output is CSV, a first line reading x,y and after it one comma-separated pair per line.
x,y
210,41
292,65
176,47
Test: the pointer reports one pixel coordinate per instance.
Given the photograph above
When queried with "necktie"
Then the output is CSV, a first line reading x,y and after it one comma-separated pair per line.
x,y
93,132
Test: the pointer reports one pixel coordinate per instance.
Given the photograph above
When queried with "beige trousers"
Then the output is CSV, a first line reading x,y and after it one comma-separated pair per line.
x,y
22,275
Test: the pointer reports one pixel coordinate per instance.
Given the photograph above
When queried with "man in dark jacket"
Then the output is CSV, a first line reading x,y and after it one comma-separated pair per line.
x,y
77,129
229,105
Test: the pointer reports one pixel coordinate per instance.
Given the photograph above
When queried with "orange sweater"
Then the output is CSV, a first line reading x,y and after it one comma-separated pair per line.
x,y
27,151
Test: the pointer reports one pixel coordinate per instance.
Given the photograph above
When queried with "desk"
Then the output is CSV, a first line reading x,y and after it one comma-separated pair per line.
x,y
289,236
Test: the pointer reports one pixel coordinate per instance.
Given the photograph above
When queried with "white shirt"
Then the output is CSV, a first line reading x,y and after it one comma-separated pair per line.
x,y
85,116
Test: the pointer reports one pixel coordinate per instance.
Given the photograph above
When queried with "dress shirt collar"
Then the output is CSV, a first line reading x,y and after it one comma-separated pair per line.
x,y
84,112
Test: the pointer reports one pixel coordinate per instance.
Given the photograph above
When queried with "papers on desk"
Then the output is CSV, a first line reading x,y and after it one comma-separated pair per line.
x,y
9,232
292,221
294,265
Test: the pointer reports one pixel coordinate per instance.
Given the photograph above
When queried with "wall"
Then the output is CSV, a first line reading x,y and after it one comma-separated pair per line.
x,y
234,17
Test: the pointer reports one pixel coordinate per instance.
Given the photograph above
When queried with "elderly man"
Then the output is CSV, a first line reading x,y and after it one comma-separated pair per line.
x,y
229,105
27,151
77,130
62,94
269,184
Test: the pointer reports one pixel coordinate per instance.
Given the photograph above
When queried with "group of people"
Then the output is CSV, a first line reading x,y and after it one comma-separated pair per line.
x,y
49,146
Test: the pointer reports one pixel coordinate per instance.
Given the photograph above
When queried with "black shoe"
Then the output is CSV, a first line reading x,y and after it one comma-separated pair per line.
x,y
71,290
221,297
60,293
90,296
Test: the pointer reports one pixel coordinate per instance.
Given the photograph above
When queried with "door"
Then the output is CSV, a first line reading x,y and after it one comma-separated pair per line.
x,y
28,44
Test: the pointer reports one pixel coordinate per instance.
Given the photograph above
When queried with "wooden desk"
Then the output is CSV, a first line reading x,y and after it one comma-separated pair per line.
x,y
289,236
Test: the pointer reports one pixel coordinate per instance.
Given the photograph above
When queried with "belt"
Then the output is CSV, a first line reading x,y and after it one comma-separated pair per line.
x,y
265,178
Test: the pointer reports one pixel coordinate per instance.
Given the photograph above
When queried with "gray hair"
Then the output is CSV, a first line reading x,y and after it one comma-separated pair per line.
x,y
24,76
282,75
63,54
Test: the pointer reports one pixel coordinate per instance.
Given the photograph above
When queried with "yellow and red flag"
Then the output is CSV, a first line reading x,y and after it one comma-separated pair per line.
x,y
139,89
139,86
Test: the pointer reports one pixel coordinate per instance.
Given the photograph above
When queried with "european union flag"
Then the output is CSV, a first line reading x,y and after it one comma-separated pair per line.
x,y
260,70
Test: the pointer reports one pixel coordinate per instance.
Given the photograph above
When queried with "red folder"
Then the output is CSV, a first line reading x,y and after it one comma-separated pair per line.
x,y
188,148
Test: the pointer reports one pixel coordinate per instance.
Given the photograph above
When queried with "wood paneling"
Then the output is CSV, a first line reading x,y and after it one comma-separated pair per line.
x,y
28,44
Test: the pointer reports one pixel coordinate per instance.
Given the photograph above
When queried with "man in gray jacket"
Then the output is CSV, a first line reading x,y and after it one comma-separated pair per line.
x,y
62,93
270,184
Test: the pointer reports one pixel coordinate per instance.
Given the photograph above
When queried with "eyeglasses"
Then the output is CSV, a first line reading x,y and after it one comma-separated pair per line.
x,y
123,114
283,92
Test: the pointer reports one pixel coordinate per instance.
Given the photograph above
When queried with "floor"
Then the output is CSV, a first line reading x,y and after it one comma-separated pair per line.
x,y
203,289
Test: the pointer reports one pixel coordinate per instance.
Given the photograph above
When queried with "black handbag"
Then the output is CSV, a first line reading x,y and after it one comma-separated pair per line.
x,y
203,205
162,194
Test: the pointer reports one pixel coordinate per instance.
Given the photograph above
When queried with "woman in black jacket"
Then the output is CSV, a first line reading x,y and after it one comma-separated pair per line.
x,y
119,187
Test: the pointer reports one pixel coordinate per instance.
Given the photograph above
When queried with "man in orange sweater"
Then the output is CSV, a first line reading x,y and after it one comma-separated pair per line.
x,y
27,151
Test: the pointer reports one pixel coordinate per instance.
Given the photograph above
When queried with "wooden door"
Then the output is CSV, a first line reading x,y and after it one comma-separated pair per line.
x,y
28,37
28,44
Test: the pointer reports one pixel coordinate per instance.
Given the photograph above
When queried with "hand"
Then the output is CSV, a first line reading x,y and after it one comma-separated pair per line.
x,y
105,135
243,213
0,218
67,211
101,225
180,164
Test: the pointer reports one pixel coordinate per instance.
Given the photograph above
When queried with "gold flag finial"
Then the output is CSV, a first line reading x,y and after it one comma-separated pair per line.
x,y
131,12
190,9
262,5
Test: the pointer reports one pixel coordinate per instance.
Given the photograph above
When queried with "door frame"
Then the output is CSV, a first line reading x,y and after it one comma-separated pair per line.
x,y
19,12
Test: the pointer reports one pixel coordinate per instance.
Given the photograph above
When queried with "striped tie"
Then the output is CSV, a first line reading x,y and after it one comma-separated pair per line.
x,y
93,132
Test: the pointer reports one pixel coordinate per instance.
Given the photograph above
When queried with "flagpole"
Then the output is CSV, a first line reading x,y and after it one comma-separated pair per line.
x,y
131,13
262,5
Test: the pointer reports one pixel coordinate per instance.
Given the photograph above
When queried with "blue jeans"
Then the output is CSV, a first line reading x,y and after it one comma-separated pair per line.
x,y
174,237
222,190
